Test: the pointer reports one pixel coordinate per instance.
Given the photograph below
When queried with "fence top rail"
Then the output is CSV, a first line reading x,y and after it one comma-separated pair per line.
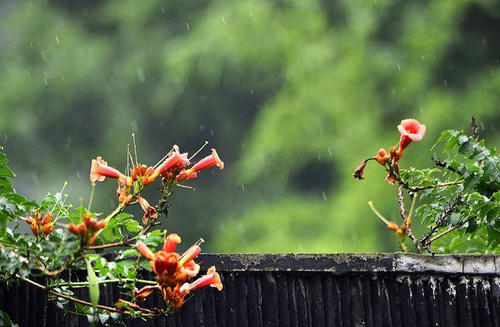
x,y
342,263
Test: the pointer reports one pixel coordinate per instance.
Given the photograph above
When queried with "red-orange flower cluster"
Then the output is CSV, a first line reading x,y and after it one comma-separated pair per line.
x,y
41,225
87,229
172,169
173,271
410,130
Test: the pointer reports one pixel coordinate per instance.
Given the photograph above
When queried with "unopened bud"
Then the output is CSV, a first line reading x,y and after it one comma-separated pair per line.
x,y
393,226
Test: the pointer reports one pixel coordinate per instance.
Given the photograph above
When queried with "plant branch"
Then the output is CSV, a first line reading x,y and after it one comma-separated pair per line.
x,y
449,230
81,284
473,126
416,189
403,216
426,240
441,164
126,241
143,311
70,298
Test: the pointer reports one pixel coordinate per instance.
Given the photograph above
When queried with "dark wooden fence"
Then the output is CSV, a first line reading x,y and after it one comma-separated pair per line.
x,y
315,290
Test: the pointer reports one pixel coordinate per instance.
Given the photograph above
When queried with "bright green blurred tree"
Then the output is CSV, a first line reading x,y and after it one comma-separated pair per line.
x,y
293,94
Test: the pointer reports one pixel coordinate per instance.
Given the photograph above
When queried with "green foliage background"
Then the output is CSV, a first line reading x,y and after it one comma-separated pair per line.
x,y
292,93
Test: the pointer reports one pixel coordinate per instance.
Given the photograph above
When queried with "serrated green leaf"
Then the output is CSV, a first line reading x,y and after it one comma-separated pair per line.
x,y
3,159
5,184
455,218
133,226
443,137
5,171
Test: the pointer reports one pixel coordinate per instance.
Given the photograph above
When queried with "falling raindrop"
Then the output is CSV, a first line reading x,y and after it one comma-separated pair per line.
x,y
223,20
187,26
133,125
212,132
399,68
78,174
57,40
243,187
330,152
141,75
445,83
323,194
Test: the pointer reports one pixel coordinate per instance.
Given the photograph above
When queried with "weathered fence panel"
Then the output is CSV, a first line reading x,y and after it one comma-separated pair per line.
x,y
313,290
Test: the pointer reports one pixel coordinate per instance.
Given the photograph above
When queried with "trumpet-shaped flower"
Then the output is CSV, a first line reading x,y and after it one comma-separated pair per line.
x,y
173,271
144,292
184,176
207,162
211,279
174,162
149,211
410,130
171,243
145,250
190,254
99,170
358,173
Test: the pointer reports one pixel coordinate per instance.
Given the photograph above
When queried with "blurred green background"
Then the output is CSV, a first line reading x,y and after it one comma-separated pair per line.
x,y
293,94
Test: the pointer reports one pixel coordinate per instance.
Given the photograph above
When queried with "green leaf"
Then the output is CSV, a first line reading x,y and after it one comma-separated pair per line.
x,y
444,136
119,225
5,171
4,182
3,159
5,320
93,285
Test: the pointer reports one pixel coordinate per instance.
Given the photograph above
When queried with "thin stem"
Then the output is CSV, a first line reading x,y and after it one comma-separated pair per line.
x,y
122,242
91,196
144,311
135,150
194,155
425,240
473,126
70,298
164,157
403,216
441,164
449,230
416,189
412,208
61,192
110,216
123,280
370,203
